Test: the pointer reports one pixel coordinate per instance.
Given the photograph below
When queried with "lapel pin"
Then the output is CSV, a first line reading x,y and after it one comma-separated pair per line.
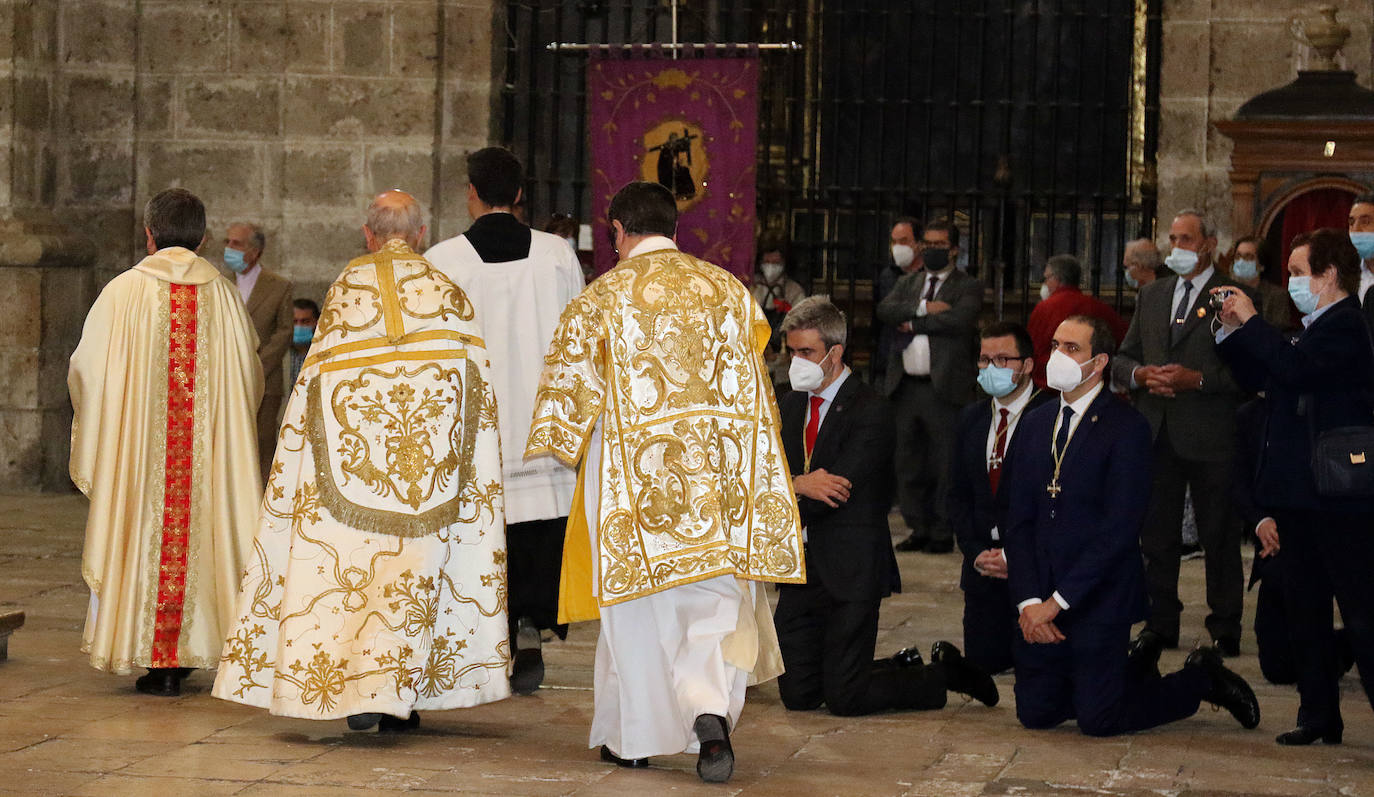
x,y
1094,419
1202,312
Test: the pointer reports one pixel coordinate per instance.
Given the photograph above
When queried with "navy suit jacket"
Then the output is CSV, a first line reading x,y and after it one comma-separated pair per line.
x,y
973,509
1085,544
1332,364
849,548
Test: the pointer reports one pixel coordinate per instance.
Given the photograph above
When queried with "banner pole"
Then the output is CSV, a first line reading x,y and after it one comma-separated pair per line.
x,y
675,49
574,47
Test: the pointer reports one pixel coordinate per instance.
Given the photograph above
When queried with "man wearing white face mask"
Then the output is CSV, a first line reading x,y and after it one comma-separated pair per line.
x,y
838,436
1170,363
1079,490
977,495
776,293
1362,236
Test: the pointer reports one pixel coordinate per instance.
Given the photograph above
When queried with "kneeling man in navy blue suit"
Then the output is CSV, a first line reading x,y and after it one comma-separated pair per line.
x,y
1080,483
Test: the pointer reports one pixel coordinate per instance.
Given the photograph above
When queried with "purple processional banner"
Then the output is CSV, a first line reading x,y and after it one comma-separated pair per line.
x,y
691,125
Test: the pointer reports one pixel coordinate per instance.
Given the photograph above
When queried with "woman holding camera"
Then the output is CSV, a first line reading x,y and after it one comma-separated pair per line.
x,y
1323,381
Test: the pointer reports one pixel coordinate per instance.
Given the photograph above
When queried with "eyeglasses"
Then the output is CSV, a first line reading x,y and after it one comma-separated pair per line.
x,y
1000,361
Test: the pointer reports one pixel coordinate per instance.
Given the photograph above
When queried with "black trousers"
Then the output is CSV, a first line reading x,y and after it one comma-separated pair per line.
x,y
1327,555
534,562
1085,677
1218,531
925,434
827,648
989,626
1272,639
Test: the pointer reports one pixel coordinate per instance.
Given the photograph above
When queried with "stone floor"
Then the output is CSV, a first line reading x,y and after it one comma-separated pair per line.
x,y
67,729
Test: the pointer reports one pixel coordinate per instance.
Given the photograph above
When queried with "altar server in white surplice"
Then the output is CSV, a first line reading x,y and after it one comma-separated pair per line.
x,y
655,380
518,280
377,582
165,386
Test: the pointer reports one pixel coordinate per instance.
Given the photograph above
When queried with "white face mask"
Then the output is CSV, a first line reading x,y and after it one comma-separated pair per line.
x,y
1063,373
771,271
1182,261
806,375
903,255
1045,291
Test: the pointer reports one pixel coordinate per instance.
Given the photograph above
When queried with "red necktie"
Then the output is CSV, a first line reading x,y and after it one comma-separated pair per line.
x,y
930,291
998,450
813,425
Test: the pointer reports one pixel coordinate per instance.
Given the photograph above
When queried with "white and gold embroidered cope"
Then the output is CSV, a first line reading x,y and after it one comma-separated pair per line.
x,y
665,351
378,578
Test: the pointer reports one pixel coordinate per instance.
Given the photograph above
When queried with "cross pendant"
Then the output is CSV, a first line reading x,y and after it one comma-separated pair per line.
x,y
994,461
1054,489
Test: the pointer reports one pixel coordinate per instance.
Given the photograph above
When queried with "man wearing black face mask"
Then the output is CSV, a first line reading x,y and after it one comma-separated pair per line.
x,y
930,376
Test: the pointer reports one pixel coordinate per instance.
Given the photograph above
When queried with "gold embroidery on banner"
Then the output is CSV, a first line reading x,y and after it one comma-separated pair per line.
x,y
411,473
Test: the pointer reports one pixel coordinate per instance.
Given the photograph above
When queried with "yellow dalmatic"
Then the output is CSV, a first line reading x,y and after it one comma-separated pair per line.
x,y
665,351
165,385
377,582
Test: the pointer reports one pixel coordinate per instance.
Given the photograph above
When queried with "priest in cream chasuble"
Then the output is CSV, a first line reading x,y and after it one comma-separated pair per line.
x,y
165,385
655,382
377,582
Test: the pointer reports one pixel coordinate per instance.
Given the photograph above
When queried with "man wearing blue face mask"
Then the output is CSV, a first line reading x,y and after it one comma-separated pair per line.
x,y
977,503
1362,236
268,299
1170,363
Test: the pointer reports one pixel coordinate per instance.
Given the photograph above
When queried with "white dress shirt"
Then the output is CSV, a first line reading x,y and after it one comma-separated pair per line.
x,y
1014,411
827,396
246,281
1366,279
1079,406
916,355
651,244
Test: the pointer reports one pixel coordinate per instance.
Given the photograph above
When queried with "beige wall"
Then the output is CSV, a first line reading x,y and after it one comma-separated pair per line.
x,y
288,113
1216,55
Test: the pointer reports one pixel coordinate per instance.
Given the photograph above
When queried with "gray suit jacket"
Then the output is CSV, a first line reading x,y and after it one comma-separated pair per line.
x,y
953,333
1201,424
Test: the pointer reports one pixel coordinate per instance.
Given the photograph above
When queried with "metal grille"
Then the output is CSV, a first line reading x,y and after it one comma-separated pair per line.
x,y
1031,123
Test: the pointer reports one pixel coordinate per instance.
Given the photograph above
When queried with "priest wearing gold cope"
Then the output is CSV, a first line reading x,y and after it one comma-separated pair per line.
x,y
377,582
655,381
165,386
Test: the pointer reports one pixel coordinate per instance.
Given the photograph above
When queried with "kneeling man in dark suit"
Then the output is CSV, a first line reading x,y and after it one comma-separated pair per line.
x,y
1080,484
838,436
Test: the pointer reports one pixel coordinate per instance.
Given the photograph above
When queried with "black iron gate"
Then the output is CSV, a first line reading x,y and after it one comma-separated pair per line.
x,y
1031,123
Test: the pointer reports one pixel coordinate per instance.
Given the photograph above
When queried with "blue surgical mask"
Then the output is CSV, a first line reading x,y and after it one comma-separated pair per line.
x,y
1364,244
1300,288
996,382
233,260
1245,269
302,334
1181,261
1132,281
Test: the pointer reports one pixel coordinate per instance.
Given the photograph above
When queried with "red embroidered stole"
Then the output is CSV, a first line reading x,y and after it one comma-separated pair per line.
x,y
176,509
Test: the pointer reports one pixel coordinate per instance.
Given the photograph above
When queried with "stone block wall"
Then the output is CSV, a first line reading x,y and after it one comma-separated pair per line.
x,y
1216,55
289,113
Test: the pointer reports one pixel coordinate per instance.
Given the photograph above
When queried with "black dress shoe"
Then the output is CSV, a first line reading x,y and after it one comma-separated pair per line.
x,y
1142,656
361,722
628,763
939,546
1228,690
716,761
160,681
390,724
962,677
1228,647
912,543
1304,735
527,671
907,657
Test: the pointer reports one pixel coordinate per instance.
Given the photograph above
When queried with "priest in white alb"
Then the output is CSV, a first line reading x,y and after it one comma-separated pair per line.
x,y
165,386
655,382
519,280
377,581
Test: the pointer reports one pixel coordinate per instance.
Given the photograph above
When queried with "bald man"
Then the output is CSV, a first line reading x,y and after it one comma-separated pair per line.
x,y
268,299
378,584
1141,262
